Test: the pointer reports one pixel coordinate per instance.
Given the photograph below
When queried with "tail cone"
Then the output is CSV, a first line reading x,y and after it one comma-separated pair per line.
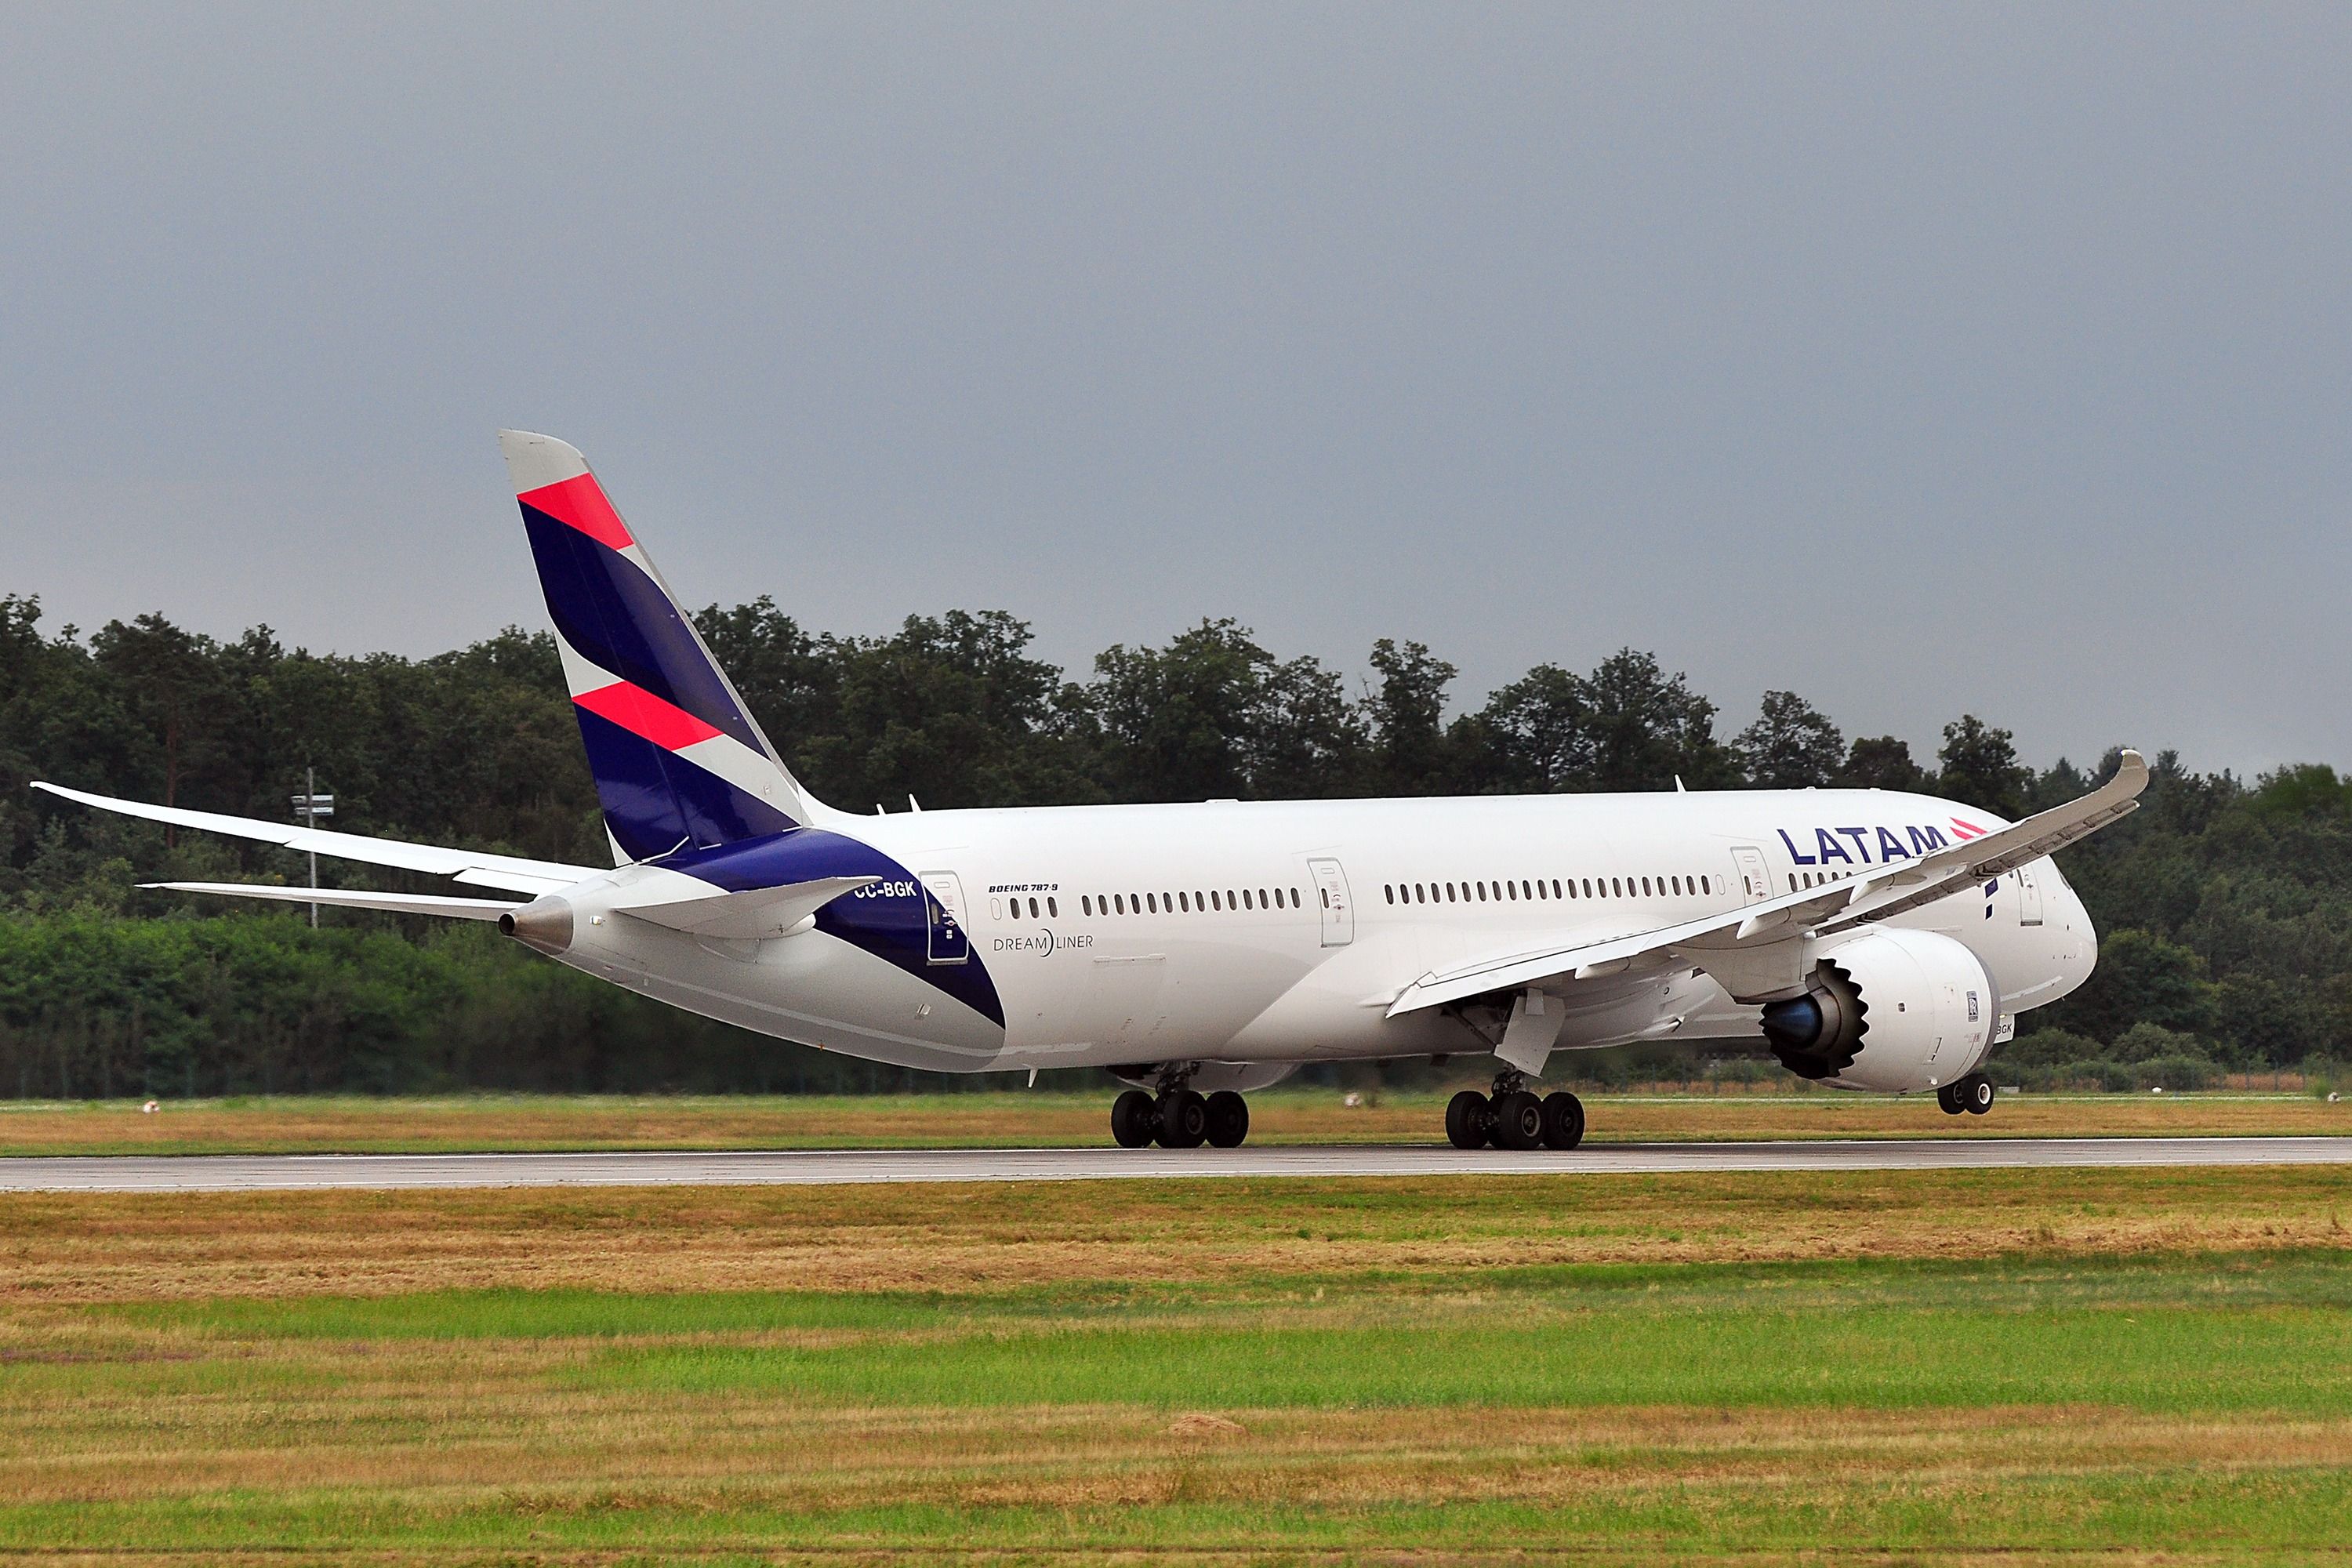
x,y
543,923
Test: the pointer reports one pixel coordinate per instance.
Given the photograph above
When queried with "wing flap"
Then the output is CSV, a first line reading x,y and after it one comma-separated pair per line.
x,y
511,872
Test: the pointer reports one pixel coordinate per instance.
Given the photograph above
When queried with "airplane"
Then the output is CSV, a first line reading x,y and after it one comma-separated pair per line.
x,y
1874,941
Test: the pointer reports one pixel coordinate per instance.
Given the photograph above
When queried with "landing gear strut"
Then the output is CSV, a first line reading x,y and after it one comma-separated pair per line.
x,y
1972,1094
1512,1118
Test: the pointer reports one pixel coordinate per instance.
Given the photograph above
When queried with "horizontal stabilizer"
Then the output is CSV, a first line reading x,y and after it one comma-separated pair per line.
x,y
511,872
350,899
752,914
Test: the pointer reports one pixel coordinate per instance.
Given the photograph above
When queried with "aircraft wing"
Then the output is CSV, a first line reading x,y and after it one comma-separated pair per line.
x,y
1757,948
350,899
511,872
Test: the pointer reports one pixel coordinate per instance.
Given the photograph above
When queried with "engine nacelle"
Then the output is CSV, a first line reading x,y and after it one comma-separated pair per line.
x,y
1891,1009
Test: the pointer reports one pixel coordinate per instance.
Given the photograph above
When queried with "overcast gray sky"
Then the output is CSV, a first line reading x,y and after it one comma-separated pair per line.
x,y
1917,359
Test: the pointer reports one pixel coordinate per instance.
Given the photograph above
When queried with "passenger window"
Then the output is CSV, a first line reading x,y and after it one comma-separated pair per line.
x,y
1052,910
1293,899
1325,893
1572,887
1085,904
1183,903
1678,887
1706,884
1388,891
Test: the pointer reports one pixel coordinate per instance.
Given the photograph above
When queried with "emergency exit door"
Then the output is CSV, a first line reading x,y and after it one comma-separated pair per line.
x,y
1331,894
943,901
1755,881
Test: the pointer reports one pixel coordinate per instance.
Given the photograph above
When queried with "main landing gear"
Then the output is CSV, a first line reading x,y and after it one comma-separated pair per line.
x,y
1972,1094
1513,1117
1179,1118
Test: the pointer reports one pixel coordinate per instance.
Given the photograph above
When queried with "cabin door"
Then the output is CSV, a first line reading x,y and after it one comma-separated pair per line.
x,y
1331,897
944,901
1755,881
2029,898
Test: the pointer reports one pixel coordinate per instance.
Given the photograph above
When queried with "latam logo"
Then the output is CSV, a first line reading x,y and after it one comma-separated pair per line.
x,y
1875,846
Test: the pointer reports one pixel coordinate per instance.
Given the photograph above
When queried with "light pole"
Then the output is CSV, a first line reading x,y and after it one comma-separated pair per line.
x,y
308,807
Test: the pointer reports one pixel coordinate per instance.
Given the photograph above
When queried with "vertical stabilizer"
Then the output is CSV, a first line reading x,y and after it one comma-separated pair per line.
x,y
678,761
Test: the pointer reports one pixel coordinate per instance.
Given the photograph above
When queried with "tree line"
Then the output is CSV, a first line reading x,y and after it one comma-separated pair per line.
x,y
2225,906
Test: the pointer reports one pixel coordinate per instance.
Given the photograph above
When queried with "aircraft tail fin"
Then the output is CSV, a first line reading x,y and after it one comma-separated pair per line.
x,y
678,760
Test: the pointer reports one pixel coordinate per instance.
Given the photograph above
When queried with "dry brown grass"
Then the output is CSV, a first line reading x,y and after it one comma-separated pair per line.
x,y
133,1247
1290,1116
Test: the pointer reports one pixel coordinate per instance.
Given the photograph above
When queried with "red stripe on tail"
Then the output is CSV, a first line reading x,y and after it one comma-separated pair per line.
x,y
640,713
580,501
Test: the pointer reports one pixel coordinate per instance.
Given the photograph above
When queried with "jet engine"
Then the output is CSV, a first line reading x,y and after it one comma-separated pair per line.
x,y
1892,1010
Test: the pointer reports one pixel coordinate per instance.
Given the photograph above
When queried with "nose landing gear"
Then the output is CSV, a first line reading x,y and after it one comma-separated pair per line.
x,y
1512,1118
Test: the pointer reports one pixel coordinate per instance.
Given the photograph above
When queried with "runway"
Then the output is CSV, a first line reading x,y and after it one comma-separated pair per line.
x,y
291,1173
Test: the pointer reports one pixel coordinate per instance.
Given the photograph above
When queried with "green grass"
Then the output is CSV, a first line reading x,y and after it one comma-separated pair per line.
x,y
2184,1337
2022,1407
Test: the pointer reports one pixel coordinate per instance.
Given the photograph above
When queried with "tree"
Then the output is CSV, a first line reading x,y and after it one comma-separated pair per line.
x,y
1535,734
1881,761
2141,978
173,681
1790,746
1650,729
950,709
1213,714
1981,768
1404,715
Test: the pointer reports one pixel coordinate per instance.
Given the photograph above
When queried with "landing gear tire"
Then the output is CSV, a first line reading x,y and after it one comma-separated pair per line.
x,y
1132,1119
1948,1096
1183,1119
1976,1094
1228,1120
1468,1120
1563,1120
1518,1120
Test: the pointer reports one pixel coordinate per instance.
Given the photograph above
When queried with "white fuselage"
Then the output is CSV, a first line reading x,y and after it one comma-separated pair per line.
x,y
1271,932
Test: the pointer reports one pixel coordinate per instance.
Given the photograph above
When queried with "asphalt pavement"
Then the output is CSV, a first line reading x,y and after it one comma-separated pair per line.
x,y
251,1172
